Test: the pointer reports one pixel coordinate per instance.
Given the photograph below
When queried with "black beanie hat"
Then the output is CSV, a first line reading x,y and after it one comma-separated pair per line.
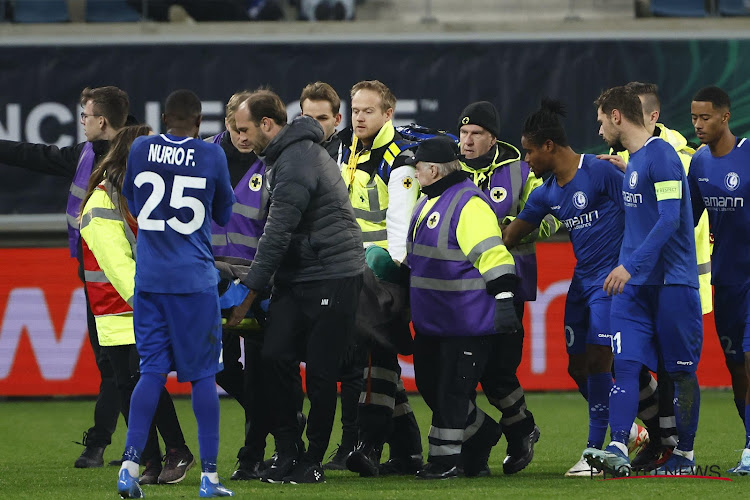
x,y
482,113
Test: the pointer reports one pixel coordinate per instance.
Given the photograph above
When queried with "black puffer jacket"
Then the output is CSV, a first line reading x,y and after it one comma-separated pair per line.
x,y
311,233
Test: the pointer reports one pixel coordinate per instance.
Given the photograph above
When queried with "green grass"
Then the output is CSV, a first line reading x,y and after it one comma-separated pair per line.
x,y
37,455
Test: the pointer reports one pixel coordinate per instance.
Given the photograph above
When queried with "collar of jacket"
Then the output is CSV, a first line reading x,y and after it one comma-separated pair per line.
x,y
499,154
385,136
481,168
438,187
334,146
334,139
674,138
101,147
302,128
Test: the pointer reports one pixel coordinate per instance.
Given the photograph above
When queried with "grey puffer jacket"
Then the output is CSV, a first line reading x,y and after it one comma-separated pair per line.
x,y
311,232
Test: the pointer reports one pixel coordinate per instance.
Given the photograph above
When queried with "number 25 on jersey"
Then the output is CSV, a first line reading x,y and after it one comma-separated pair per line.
x,y
177,200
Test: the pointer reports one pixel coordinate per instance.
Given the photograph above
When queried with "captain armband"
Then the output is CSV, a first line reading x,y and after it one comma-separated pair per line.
x,y
668,190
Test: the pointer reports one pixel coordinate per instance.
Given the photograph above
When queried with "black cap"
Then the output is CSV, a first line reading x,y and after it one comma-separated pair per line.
x,y
482,113
439,149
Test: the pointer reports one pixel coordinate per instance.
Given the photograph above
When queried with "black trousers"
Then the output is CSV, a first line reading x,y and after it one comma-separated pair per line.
x,y
447,370
258,396
350,377
501,386
231,378
310,321
384,414
124,361
107,407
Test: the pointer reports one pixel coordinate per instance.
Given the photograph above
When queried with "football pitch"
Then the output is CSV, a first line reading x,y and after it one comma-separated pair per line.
x,y
37,455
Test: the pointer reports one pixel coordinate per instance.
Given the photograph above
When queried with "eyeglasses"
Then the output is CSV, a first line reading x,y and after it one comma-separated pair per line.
x,y
84,115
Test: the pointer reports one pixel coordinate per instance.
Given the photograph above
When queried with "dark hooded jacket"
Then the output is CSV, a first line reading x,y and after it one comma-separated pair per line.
x,y
311,232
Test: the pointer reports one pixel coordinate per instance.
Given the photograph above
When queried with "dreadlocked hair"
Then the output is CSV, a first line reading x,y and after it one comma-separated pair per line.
x,y
546,124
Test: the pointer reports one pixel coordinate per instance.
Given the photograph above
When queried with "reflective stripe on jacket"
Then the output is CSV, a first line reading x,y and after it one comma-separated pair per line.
x,y
448,291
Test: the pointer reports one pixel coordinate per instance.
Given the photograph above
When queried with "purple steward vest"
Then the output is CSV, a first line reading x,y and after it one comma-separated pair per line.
x,y
239,238
448,294
77,192
504,192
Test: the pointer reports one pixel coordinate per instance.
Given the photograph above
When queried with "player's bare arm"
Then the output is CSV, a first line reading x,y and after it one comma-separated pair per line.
x,y
239,312
514,232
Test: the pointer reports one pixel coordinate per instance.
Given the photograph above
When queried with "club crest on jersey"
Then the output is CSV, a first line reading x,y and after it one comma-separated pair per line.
x,y
732,181
498,194
256,181
433,220
579,200
633,181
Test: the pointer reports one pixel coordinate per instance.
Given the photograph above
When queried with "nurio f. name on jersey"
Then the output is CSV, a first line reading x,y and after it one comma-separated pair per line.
x,y
172,155
175,186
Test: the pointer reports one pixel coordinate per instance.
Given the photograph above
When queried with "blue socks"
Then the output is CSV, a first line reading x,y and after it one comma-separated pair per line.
x,y
623,399
599,387
687,398
206,409
143,404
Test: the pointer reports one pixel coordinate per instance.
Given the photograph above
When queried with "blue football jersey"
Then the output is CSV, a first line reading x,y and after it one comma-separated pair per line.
x,y
590,207
657,167
174,187
721,185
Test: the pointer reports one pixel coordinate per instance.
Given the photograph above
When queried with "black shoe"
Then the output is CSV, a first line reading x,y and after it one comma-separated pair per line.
x,y
247,471
365,460
306,473
151,472
648,456
484,471
401,466
437,471
281,468
92,456
115,463
267,464
520,453
337,460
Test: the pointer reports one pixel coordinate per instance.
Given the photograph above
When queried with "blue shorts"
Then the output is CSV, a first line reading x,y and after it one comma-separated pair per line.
x,y
653,322
180,332
586,317
732,315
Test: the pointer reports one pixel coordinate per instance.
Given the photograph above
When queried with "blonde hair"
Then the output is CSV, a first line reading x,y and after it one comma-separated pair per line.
x,y
233,104
387,99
